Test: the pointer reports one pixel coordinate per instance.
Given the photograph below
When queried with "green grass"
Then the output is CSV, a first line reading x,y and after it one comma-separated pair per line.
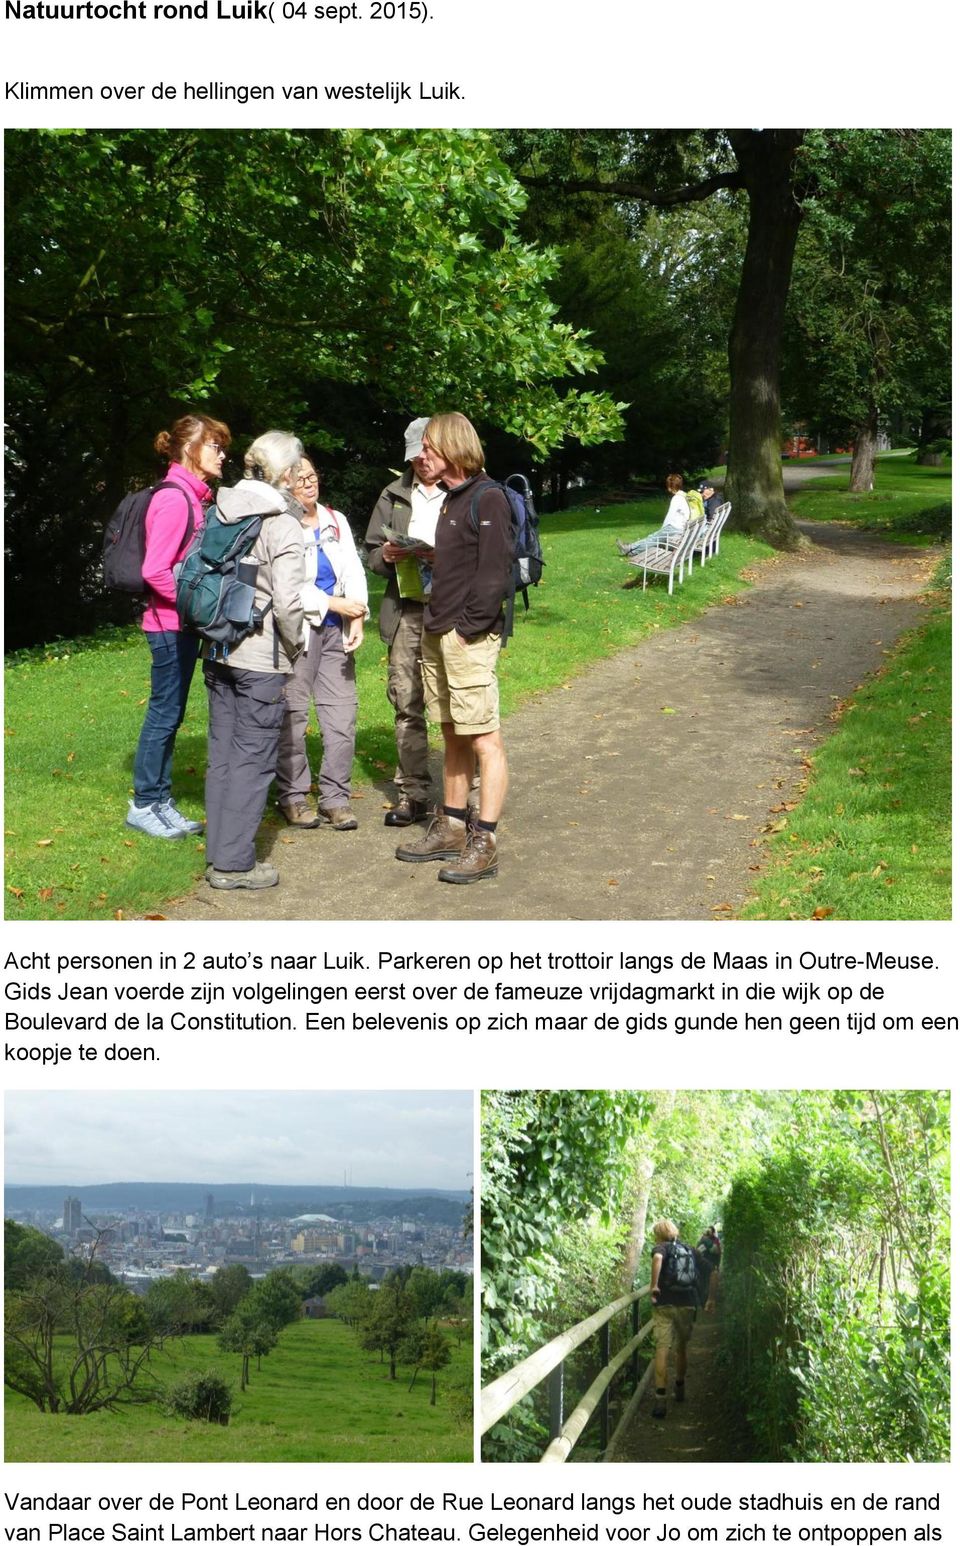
x,y
73,714
317,1397
870,839
908,503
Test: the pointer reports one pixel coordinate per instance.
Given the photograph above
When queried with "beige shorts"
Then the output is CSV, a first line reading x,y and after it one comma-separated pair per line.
x,y
672,1325
460,681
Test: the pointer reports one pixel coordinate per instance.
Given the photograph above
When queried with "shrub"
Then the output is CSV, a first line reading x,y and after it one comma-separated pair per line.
x,y
201,1397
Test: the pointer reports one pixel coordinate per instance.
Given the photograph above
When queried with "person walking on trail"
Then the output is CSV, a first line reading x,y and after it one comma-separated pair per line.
x,y
674,522
710,1250
462,628
673,1294
409,507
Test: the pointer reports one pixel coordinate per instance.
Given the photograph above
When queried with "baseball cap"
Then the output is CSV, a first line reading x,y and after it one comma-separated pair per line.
x,y
413,438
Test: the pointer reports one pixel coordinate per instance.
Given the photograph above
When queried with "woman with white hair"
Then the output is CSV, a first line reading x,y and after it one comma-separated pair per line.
x,y
246,690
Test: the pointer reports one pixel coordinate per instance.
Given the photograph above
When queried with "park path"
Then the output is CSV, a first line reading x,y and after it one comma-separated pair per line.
x,y
639,789
698,1429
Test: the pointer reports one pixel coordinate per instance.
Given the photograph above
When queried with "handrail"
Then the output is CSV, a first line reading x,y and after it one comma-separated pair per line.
x,y
558,1451
497,1398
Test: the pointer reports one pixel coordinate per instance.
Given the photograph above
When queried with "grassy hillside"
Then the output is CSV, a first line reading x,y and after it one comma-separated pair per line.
x,y
318,1397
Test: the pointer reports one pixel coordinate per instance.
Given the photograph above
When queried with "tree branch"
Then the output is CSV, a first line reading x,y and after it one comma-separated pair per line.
x,y
627,189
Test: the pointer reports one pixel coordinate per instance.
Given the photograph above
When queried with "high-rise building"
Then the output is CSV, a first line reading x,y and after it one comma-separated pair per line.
x,y
72,1215
209,1208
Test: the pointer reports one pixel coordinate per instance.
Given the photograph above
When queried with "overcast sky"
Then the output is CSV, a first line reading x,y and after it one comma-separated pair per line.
x,y
381,1137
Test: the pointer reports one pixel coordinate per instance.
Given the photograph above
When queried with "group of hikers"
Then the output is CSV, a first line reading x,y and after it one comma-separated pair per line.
x,y
683,1279
441,619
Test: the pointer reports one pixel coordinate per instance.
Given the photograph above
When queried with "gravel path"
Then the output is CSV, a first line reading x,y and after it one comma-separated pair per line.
x,y
697,1429
640,790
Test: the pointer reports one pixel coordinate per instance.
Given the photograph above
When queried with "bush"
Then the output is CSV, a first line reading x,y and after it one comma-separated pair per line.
x,y
201,1397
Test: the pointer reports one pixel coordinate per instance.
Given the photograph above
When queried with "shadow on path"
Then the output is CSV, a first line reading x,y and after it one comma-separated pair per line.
x,y
697,1429
640,790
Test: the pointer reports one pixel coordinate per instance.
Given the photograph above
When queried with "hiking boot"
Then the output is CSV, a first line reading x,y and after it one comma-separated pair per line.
x,y
257,879
154,821
187,827
297,813
659,1408
406,812
339,817
477,862
444,838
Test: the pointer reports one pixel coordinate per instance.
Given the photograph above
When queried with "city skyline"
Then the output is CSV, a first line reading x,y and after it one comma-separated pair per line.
x,y
404,1139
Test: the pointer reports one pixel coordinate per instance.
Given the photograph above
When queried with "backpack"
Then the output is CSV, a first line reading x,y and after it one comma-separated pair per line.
x,y
694,500
215,598
679,1267
125,539
528,560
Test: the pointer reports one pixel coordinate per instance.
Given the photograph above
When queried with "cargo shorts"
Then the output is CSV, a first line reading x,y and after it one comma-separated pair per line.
x,y
672,1325
460,681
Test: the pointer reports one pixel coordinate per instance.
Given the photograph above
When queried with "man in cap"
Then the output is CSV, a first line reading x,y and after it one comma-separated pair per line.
x,y
711,499
409,507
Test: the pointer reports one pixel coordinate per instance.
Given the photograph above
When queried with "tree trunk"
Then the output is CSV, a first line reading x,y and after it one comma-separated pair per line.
x,y
638,1228
754,482
433,1392
864,454
935,425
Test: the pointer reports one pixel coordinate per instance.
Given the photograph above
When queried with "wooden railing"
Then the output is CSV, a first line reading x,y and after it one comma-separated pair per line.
x,y
502,1394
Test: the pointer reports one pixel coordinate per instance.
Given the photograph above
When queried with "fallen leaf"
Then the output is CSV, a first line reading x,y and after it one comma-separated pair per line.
x,y
613,883
857,772
155,917
119,915
45,893
722,907
822,912
736,816
71,756
44,842
667,710
16,891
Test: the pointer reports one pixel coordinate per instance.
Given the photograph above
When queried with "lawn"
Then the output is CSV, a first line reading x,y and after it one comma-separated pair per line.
x,y
73,714
317,1397
908,503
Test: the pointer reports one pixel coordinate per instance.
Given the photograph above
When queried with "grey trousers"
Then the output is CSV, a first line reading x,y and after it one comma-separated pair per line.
x,y
327,676
246,712
405,693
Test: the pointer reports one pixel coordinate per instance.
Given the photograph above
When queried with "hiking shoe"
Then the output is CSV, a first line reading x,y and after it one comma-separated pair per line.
x,y
297,813
257,879
659,1408
623,548
339,817
680,1391
406,812
477,862
445,838
153,820
187,827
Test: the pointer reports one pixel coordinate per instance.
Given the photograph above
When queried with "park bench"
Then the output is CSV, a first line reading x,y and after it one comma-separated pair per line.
x,y
709,539
669,559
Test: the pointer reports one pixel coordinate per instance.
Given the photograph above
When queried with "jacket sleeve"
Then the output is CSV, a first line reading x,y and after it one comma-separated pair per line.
x,y
168,518
285,546
354,575
373,541
481,607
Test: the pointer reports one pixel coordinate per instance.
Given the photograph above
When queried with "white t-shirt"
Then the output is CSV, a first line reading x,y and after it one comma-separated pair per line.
x,y
678,514
425,505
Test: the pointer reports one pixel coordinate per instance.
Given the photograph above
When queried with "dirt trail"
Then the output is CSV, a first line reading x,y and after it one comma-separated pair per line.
x,y
639,791
697,1429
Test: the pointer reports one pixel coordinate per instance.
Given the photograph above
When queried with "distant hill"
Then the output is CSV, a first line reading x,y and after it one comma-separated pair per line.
x,y
357,1202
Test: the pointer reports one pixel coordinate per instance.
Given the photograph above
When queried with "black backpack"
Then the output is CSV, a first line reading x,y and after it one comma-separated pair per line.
x,y
527,566
215,597
679,1267
125,539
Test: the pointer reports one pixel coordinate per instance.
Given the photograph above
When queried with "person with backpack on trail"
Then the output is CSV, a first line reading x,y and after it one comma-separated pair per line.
x,y
674,522
335,609
710,1250
674,1296
245,690
194,447
462,627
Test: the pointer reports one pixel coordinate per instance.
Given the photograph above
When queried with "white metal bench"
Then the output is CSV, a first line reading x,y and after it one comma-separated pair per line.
x,y
663,557
709,540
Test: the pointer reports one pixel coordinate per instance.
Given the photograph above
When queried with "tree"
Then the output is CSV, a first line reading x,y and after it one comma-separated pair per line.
x,y
227,1287
175,1303
27,1254
426,1290
275,1300
156,269
435,1356
249,1334
388,1323
350,1302
321,1279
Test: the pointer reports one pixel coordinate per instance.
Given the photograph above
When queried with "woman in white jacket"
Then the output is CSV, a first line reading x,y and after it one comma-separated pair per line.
x,y
335,608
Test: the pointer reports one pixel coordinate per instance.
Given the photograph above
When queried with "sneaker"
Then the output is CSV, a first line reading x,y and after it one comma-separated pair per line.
x,y
153,820
339,817
478,860
445,838
406,812
187,827
297,813
623,548
257,879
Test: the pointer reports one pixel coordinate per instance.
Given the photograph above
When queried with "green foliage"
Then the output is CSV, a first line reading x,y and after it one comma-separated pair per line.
x,y
201,1397
319,1280
27,1253
253,274
227,1287
388,1322
836,1259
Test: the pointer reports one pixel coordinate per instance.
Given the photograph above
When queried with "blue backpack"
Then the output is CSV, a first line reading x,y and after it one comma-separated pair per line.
x,y
528,560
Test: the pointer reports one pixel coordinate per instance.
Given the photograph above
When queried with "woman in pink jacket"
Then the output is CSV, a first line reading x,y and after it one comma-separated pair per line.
x,y
196,446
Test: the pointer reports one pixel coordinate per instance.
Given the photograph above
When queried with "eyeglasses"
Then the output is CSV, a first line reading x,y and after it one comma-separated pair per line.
x,y
305,478
215,446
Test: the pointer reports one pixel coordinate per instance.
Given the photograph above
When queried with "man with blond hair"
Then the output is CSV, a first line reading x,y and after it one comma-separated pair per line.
x,y
674,1296
462,629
